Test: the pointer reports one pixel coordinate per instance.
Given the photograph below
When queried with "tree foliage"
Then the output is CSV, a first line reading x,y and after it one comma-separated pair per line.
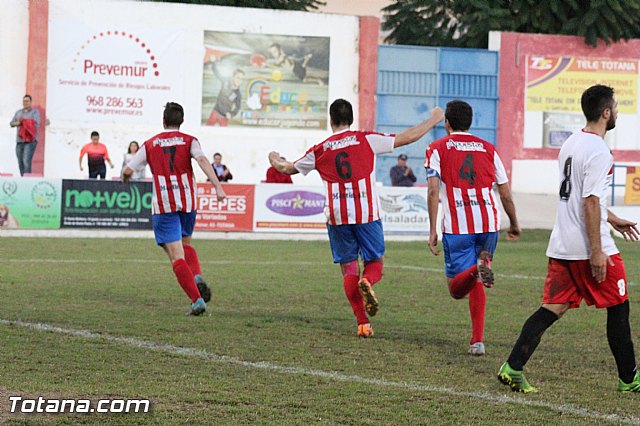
x,y
306,5
466,23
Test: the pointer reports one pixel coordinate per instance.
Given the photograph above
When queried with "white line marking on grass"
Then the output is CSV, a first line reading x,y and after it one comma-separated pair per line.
x,y
251,262
330,375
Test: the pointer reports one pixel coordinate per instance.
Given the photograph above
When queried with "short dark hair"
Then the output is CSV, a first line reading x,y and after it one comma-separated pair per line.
x,y
595,100
217,153
27,96
459,114
173,114
341,112
94,133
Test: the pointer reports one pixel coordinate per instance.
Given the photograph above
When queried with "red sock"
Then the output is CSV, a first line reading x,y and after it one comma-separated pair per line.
x,y
191,257
477,303
185,278
355,298
463,283
372,271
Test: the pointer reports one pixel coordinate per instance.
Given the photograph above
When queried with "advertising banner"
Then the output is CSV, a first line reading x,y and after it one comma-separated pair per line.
x,y
404,210
106,204
262,80
101,73
234,213
30,203
632,186
283,207
555,83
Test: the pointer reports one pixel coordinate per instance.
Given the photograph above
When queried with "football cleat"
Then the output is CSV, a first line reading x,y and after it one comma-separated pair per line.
x,y
369,297
634,386
485,274
477,349
203,288
514,379
198,307
365,330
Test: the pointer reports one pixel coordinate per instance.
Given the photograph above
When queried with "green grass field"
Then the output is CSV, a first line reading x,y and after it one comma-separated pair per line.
x,y
277,344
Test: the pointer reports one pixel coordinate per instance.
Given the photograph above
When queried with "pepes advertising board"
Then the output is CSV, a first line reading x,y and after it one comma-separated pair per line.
x,y
234,213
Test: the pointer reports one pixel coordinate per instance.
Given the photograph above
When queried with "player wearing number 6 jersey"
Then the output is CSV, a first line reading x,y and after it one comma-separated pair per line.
x,y
584,262
462,171
169,157
346,164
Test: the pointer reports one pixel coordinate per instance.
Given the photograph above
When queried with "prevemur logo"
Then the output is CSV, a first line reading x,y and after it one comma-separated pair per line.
x,y
133,201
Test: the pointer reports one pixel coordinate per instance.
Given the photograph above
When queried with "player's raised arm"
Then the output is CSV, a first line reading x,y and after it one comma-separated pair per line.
x,y
414,133
283,166
206,167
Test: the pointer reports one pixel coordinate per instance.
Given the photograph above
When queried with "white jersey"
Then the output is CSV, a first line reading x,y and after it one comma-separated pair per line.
x,y
586,168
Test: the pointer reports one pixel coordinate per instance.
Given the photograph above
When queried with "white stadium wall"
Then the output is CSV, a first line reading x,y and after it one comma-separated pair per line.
x,y
14,42
95,51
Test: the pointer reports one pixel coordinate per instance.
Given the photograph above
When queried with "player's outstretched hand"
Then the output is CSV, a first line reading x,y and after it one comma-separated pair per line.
x,y
513,233
274,157
627,228
437,113
433,242
220,193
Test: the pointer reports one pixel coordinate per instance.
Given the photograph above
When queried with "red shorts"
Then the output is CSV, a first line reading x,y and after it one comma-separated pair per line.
x,y
217,118
570,281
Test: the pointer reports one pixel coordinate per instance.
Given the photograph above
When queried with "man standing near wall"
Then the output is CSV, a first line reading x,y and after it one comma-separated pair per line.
x,y
27,121
346,164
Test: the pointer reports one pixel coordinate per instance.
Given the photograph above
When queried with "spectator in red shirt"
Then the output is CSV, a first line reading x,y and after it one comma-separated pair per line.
x,y
97,154
274,176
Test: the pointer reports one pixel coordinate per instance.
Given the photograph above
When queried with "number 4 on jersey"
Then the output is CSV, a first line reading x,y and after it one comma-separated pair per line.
x,y
466,170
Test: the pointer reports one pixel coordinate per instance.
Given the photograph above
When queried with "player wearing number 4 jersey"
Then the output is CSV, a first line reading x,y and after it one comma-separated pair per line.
x,y
584,262
346,164
174,199
462,171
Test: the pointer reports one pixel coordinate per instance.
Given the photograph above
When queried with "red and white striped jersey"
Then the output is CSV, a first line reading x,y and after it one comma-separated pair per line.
x,y
468,168
346,163
169,157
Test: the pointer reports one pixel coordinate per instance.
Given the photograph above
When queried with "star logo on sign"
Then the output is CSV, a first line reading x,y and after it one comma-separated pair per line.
x,y
297,202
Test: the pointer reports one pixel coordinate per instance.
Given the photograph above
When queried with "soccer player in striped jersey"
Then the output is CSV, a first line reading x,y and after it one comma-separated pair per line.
x,y
346,164
462,171
169,157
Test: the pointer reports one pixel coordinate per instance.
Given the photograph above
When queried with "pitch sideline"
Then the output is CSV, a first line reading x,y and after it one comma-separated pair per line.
x,y
330,375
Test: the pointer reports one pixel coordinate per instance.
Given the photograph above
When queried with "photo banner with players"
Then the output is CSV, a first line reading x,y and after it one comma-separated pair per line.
x,y
105,73
234,213
262,80
30,203
288,208
404,210
106,204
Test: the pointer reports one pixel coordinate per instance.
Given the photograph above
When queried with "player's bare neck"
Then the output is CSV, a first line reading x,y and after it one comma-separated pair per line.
x,y
168,128
599,128
340,128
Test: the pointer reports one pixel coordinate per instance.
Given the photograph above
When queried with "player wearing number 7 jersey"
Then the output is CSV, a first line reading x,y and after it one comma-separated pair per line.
x,y
462,171
584,262
174,205
346,164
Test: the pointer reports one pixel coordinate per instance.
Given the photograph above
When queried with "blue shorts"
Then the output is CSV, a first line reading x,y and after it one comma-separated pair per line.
x,y
347,241
461,250
171,227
